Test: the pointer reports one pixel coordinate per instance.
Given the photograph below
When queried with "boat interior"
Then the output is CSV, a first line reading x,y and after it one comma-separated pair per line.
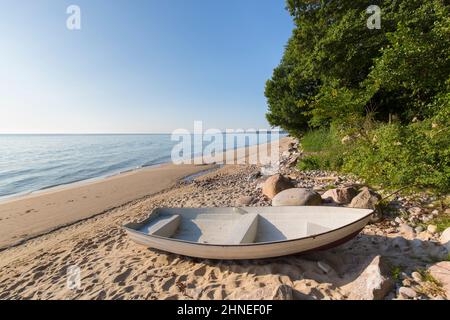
x,y
235,226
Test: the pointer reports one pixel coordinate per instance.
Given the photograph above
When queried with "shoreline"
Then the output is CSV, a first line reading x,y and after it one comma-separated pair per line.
x,y
40,212
81,182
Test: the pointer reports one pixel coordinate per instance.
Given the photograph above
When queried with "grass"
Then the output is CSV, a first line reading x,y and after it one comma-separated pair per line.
x,y
396,272
317,140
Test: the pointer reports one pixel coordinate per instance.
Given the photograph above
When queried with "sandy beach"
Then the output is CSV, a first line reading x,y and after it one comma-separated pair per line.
x,y
113,267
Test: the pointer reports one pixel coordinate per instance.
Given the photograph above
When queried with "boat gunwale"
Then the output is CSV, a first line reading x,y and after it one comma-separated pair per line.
x,y
134,231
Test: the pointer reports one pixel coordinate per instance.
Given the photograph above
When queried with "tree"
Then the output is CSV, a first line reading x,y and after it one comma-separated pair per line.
x,y
335,70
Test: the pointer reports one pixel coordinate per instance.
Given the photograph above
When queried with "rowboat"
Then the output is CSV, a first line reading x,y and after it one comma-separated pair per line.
x,y
247,233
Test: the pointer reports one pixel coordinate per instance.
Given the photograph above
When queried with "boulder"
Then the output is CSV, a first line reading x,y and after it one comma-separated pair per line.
x,y
366,199
445,239
275,184
340,195
373,283
297,197
441,272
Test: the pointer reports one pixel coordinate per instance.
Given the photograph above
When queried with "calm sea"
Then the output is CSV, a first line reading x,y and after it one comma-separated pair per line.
x,y
35,162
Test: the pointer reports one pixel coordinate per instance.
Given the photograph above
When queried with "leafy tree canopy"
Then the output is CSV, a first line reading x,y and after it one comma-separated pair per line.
x,y
335,69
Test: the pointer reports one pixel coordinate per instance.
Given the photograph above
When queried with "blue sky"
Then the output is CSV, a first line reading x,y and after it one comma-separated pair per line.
x,y
140,66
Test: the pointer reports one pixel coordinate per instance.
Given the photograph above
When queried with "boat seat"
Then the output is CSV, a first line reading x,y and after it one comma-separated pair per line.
x,y
245,230
165,227
313,229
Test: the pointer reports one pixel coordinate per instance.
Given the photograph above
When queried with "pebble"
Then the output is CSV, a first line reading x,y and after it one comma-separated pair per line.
x,y
407,230
398,220
419,229
407,283
407,292
432,229
416,276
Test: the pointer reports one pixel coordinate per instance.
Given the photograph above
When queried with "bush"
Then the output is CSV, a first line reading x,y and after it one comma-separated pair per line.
x,y
390,155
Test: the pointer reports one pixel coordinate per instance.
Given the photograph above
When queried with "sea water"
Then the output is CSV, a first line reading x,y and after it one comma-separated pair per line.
x,y
35,162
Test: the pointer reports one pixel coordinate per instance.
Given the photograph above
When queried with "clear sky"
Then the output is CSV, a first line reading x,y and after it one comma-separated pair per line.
x,y
140,66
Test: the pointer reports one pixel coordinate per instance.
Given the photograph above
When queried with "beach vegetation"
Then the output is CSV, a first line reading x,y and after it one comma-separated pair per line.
x,y
374,102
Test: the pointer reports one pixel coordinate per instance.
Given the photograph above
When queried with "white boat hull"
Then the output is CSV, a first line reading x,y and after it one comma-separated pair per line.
x,y
257,250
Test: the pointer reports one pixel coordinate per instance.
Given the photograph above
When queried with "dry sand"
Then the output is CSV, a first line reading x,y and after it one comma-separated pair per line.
x,y
38,213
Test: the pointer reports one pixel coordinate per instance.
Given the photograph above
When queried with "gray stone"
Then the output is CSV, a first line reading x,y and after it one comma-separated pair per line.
x,y
398,220
367,199
373,283
445,239
419,229
416,276
275,185
415,211
340,195
297,197
407,292
244,201
407,230
432,229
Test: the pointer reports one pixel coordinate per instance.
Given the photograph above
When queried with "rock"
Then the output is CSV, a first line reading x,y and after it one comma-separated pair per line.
x,y
407,292
244,201
366,199
406,283
340,196
424,236
275,185
445,239
416,276
432,229
407,230
324,266
415,211
373,283
419,229
269,170
441,272
398,220
297,197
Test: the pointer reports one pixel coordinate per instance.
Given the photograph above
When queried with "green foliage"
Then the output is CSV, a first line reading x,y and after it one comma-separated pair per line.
x,y
317,140
336,70
390,155
388,89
